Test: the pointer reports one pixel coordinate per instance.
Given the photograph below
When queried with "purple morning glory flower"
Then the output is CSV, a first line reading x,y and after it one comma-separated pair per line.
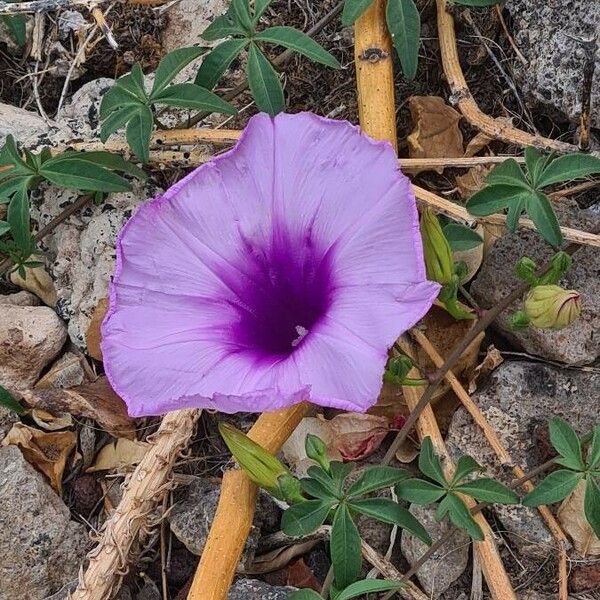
x,y
280,271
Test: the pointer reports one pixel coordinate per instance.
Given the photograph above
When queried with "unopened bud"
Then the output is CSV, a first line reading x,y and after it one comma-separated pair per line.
x,y
552,307
438,255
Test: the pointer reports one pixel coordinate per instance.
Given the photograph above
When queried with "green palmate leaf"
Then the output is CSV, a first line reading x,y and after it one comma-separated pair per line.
x,y
9,402
543,216
323,478
172,64
404,24
189,95
222,27
18,218
344,547
78,174
217,62
496,197
264,82
305,517
478,3
316,489
430,464
567,168
591,505
389,511
376,478
291,38
305,595
4,227
118,98
339,472
461,517
259,8
515,210
508,172
139,131
461,237
465,466
535,163
567,444
488,490
118,119
594,457
367,586
353,9
554,488
241,13
419,491
114,162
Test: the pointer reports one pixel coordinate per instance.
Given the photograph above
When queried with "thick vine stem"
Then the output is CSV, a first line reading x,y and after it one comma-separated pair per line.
x,y
108,561
461,95
491,563
235,511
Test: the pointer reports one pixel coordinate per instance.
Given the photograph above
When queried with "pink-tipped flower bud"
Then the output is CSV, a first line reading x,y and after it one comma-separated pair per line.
x,y
552,307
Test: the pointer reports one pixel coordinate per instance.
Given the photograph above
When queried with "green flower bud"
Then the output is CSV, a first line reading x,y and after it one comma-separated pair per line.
x,y
438,255
552,307
525,269
261,466
316,450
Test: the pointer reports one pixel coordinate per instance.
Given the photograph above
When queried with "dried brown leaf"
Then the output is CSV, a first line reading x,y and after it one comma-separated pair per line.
x,y
95,400
357,435
119,456
572,518
472,181
493,359
436,133
93,336
38,282
50,422
279,558
300,576
46,451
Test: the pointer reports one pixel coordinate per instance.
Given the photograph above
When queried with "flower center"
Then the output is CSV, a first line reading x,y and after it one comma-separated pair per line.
x,y
286,292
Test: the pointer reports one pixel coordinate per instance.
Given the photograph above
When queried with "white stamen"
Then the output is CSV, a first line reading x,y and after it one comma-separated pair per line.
x,y
301,331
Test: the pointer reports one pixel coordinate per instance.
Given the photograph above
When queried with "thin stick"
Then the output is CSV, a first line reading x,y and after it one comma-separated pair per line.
x,y
235,511
508,35
145,489
502,454
585,122
7,8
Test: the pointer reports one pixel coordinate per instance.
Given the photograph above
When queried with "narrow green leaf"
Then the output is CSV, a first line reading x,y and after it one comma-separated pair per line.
x,y
535,161
316,489
9,402
567,444
9,186
543,216
80,174
241,11
554,488
296,40
4,227
139,131
376,478
189,95
9,156
217,62
260,6
305,595
367,586
114,162
117,99
515,209
508,172
323,478
461,237
137,80
488,490
17,27
389,511
18,217
404,24
419,491
353,9
591,505
569,167
594,457
172,64
430,464
344,547
465,466
443,507
264,83
494,198
478,3
303,518
339,472
118,119
461,517
222,27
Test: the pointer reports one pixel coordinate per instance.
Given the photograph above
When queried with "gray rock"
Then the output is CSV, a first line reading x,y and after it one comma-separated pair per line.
x,y
544,32
253,589
577,344
82,250
448,563
41,547
65,373
30,337
190,519
518,401
7,419
20,299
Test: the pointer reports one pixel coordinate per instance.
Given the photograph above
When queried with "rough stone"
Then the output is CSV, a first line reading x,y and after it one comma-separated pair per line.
x,y
20,299
546,32
577,344
65,373
253,589
190,519
518,401
25,126
30,337
448,563
41,547
82,250
7,419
